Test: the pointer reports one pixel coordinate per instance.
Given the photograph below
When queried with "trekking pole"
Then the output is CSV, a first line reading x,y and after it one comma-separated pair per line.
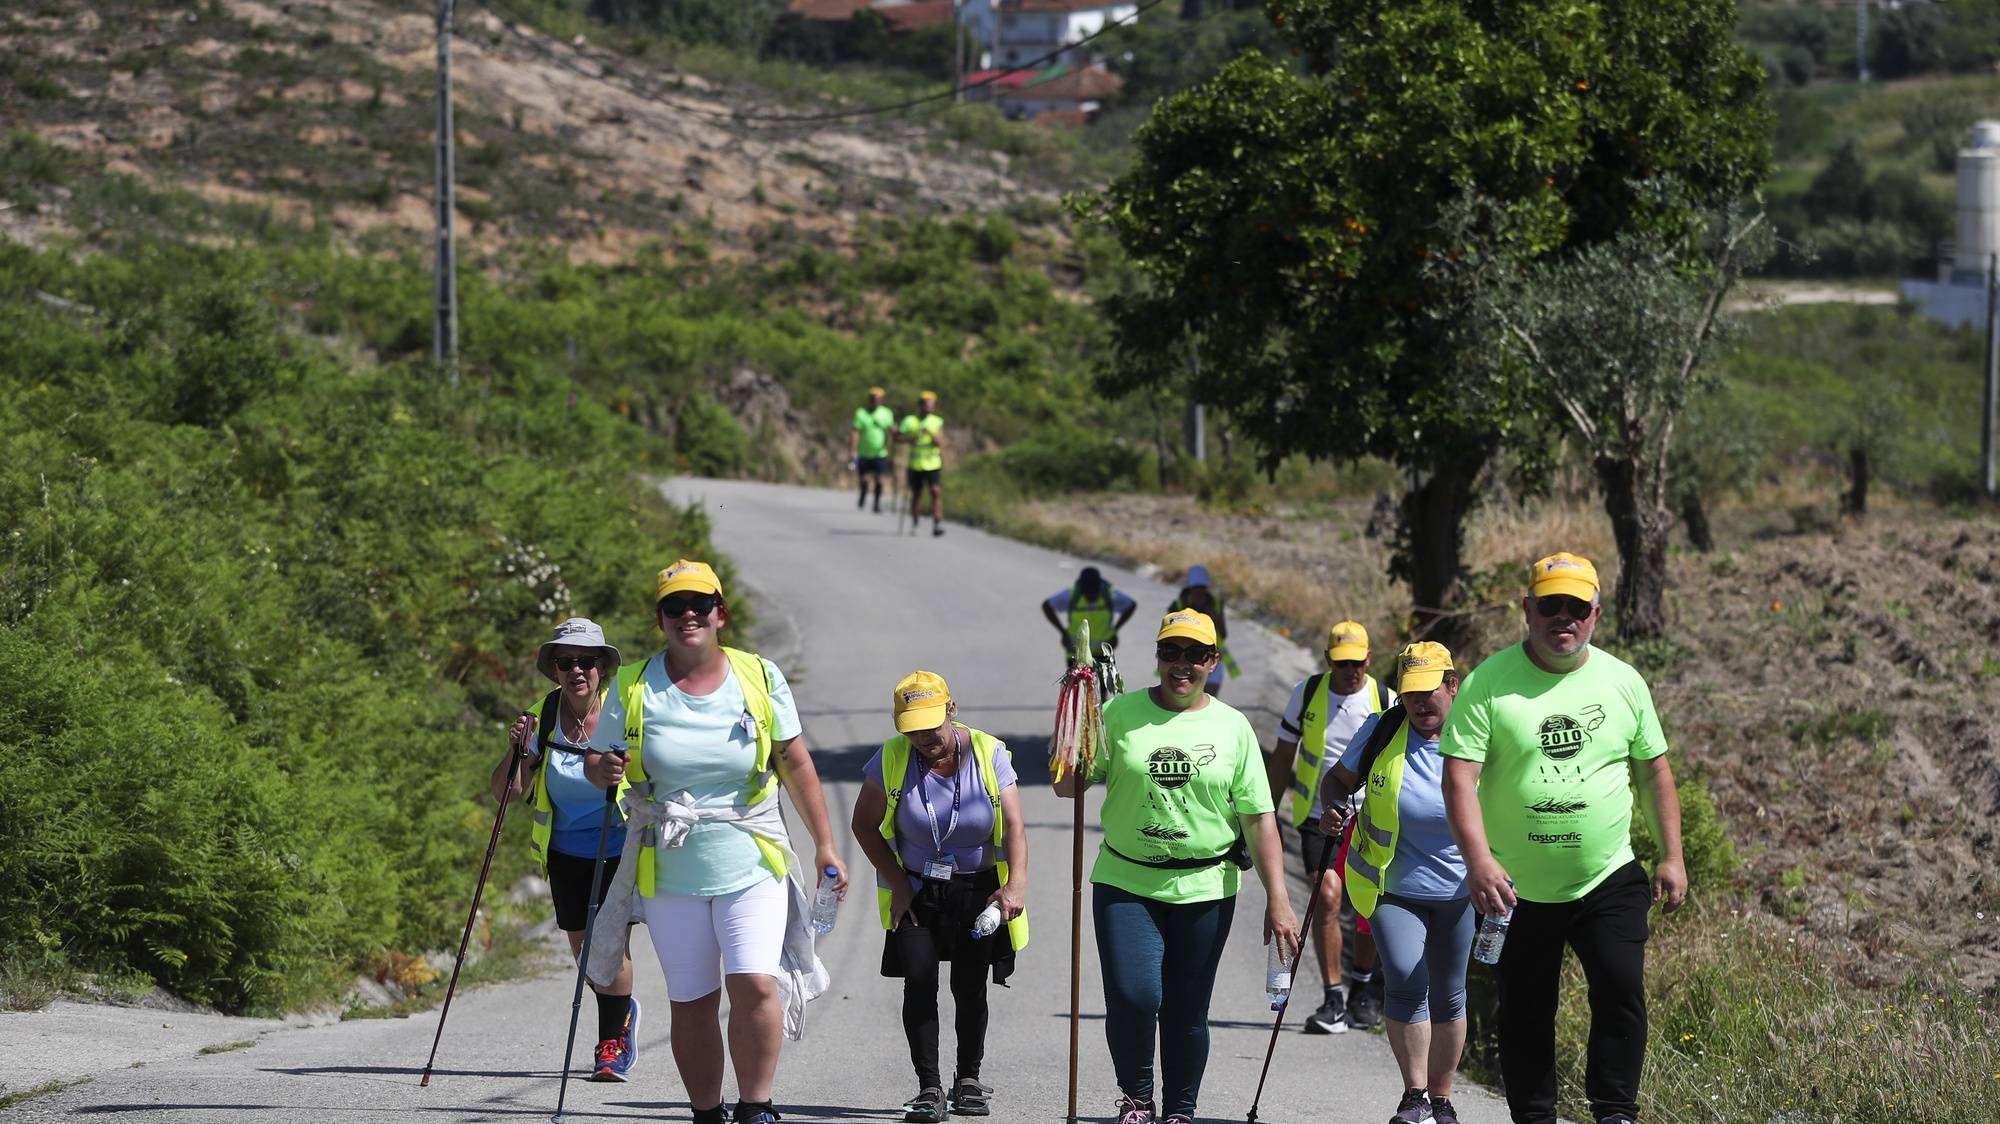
x,y
583,955
517,754
1305,934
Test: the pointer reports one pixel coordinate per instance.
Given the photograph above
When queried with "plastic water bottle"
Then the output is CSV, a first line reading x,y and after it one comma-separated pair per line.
x,y
826,903
1277,977
1492,936
988,920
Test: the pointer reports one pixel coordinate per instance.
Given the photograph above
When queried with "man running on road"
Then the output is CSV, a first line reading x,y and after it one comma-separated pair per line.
x,y
1543,750
1090,601
1325,711
868,444
920,431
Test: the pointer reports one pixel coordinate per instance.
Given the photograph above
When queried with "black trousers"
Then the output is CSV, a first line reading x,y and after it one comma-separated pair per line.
x,y
1607,928
938,934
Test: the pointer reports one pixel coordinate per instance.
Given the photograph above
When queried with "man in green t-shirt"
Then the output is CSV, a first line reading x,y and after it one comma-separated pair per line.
x,y
1544,746
922,432
868,444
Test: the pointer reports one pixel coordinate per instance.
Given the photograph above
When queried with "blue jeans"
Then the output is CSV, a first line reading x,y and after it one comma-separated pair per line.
x,y
1425,947
1141,944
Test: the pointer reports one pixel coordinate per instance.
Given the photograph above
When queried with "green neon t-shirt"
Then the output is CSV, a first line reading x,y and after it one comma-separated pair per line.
x,y
1174,785
1557,750
925,456
874,427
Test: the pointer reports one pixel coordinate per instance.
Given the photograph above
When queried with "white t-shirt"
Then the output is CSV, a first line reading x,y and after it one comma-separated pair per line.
x,y
1349,712
1119,601
704,745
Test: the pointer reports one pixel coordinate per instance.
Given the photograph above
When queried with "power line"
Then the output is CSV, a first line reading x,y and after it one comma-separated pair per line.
x,y
510,19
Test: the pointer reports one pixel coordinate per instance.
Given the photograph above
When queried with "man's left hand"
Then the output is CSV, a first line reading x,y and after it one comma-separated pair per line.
x,y
1670,883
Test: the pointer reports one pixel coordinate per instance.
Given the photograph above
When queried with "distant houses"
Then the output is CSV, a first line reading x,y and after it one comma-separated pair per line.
x,y
1029,56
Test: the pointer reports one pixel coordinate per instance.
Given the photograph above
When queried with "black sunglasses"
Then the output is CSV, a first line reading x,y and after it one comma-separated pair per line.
x,y
565,663
1350,665
1192,653
1575,608
680,604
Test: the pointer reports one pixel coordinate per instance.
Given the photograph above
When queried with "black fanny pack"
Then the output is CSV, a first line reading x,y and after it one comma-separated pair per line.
x,y
1237,853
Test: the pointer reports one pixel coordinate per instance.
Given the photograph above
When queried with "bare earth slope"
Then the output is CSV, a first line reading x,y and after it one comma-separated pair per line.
x,y
323,112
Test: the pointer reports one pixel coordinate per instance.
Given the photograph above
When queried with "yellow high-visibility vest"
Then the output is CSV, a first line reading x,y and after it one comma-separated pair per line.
x,y
1314,711
896,765
1377,828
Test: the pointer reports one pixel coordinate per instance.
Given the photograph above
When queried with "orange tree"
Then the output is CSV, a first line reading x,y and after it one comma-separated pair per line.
x,y
1286,222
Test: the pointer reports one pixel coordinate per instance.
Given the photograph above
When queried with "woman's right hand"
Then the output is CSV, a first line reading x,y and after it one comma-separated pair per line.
x,y
603,769
901,897
520,732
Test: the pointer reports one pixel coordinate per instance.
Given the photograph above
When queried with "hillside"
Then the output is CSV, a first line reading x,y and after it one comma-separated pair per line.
x,y
323,114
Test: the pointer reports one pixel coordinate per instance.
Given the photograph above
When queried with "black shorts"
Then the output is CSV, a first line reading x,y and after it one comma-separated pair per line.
x,y
1312,843
872,466
923,477
569,885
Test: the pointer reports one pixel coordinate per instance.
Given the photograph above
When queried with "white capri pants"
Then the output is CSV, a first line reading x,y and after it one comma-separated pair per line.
x,y
700,939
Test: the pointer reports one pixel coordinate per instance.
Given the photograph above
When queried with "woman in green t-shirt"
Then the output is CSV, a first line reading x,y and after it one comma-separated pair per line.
x,y
1184,789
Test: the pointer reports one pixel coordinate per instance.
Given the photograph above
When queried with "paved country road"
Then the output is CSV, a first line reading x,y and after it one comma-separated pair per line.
x,y
847,606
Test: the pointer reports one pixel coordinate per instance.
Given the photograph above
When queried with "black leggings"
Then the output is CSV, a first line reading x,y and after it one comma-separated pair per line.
x,y
920,1004
1607,928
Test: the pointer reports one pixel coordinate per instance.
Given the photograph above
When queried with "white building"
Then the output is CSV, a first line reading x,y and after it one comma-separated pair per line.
x,y
1015,32
1958,296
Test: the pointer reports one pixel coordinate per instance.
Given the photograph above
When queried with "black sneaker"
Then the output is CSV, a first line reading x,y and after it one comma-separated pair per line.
x,y
1442,1112
1616,1118
1363,1009
1415,1108
927,1107
970,1098
1331,1018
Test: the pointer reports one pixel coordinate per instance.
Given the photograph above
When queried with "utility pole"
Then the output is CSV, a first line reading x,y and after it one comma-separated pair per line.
x,y
1987,418
1861,39
444,328
958,51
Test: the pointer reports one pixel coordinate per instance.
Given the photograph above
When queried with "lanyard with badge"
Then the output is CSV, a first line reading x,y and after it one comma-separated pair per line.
x,y
942,866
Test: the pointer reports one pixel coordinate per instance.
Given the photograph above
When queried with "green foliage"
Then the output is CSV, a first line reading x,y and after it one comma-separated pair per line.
x,y
290,599
1706,848
709,441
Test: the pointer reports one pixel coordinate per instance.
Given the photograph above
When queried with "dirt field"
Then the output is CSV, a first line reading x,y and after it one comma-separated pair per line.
x,y
1837,689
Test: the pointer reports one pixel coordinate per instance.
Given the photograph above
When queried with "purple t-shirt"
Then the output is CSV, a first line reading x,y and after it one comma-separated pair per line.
x,y
970,842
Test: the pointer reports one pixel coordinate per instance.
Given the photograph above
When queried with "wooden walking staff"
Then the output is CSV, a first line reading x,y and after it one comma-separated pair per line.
x,y
1073,749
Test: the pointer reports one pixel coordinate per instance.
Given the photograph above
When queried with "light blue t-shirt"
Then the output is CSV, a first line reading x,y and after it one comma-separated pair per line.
x,y
579,805
705,745
1427,866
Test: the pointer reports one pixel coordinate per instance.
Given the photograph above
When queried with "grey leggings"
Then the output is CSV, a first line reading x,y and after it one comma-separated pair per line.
x,y
1425,947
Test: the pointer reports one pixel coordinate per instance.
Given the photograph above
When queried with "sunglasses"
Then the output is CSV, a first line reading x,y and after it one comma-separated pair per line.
x,y
1192,653
565,663
1575,608
680,604
1350,665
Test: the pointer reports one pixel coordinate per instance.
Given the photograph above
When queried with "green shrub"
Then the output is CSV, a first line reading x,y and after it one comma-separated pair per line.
x,y
709,441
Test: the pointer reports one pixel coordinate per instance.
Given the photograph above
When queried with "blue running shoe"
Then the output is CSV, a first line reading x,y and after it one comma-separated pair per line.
x,y
616,1055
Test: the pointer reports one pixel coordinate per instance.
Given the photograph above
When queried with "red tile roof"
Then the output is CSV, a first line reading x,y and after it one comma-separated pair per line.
x,y
1060,5
1089,83
1007,80
915,17
835,11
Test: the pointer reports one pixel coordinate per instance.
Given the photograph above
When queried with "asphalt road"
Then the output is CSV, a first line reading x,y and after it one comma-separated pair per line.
x,y
847,607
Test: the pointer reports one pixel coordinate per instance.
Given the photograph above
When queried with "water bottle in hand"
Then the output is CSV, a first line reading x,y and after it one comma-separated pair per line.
x,y
987,921
826,903
1492,936
1277,977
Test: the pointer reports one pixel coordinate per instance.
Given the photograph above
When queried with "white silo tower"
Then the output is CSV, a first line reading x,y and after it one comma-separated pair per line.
x,y
1978,203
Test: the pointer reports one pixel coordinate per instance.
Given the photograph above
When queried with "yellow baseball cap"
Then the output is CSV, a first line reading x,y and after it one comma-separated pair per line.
x,y
928,396
878,390
1347,641
1421,666
922,701
1570,575
1188,624
687,576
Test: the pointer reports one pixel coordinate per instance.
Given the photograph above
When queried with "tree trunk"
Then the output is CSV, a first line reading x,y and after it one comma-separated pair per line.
x,y
1640,523
1433,538
1855,502
1694,515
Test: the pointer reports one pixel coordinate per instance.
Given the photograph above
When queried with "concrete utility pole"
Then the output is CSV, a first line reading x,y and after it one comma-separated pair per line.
x,y
1987,418
958,51
444,329
1861,39
1194,429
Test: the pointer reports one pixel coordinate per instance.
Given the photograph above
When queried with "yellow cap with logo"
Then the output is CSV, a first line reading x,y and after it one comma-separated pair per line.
x,y
878,392
1347,641
687,576
1421,666
928,396
1565,574
922,702
1187,624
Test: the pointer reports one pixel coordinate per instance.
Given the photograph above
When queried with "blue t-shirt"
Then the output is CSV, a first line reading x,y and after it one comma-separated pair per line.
x,y
1427,866
705,745
970,840
579,805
